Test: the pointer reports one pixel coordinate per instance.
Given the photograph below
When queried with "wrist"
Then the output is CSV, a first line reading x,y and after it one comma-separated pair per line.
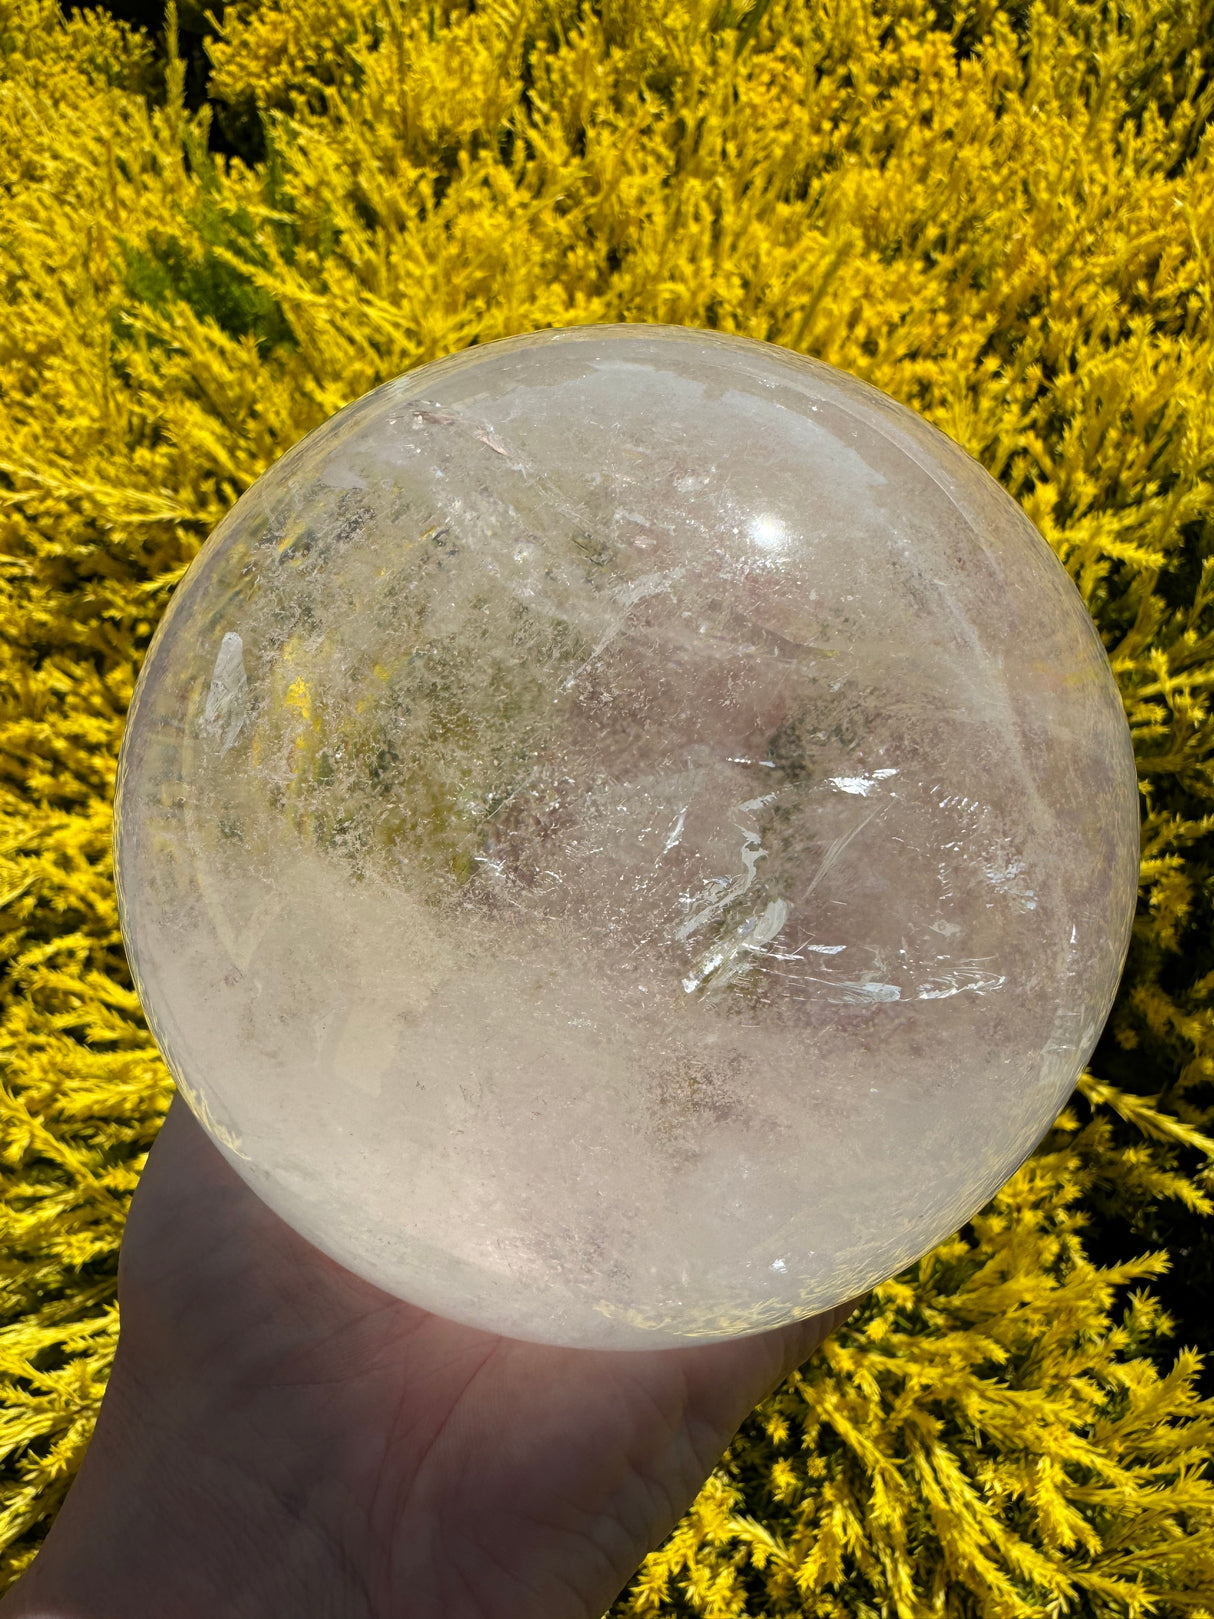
x,y
171,1516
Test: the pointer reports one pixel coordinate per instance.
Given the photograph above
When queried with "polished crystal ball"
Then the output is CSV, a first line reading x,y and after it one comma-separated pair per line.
x,y
626,836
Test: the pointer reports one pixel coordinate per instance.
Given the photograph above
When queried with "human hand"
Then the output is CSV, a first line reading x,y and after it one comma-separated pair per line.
x,y
282,1440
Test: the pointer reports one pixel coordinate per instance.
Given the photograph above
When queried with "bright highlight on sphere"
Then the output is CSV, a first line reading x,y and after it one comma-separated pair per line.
x,y
626,836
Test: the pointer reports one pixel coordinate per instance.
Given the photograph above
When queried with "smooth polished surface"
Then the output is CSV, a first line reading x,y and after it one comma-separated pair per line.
x,y
626,835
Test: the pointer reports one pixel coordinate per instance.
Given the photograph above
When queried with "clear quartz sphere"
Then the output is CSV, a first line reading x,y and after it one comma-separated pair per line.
x,y
626,836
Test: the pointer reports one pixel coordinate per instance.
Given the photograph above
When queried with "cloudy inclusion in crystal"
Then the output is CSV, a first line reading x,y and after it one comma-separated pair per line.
x,y
626,836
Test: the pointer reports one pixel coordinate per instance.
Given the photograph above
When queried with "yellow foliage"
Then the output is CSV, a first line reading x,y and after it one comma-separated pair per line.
x,y
1001,214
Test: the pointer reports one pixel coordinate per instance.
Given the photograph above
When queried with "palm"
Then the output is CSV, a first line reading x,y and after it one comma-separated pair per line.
x,y
449,1471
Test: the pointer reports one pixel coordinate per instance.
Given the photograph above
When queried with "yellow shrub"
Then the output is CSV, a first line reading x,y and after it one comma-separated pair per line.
x,y
1003,216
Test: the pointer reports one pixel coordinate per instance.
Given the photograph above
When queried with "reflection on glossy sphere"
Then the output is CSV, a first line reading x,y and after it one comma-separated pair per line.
x,y
626,836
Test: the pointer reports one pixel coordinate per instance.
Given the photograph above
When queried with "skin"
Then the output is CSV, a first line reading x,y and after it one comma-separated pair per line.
x,y
280,1438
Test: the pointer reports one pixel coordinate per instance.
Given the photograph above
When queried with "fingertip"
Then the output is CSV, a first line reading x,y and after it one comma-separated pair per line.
x,y
842,1313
